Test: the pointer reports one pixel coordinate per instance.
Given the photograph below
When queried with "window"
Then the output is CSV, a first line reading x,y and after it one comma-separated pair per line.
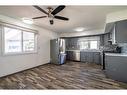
x,y
89,43
84,45
12,40
28,41
18,41
93,45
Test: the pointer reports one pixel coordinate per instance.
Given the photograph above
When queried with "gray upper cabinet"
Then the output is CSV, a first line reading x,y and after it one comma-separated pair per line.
x,y
121,31
109,27
109,33
118,31
104,39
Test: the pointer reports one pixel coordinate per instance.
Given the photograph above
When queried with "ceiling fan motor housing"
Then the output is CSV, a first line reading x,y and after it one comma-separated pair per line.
x,y
51,22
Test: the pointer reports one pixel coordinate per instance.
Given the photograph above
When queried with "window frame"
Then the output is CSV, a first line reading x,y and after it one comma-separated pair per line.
x,y
22,51
88,40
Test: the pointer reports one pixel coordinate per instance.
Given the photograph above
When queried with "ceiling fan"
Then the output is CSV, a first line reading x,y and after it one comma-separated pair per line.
x,y
51,14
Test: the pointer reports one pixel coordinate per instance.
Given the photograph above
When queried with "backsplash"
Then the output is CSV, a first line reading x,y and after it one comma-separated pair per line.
x,y
75,43
124,47
72,44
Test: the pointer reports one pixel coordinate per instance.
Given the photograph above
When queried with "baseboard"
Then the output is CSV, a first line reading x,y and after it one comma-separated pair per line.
x,y
24,70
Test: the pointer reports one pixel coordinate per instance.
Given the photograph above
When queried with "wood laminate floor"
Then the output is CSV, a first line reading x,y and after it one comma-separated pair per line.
x,y
72,75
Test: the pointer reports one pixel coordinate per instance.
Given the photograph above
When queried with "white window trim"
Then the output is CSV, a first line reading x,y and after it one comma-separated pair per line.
x,y
22,52
6,24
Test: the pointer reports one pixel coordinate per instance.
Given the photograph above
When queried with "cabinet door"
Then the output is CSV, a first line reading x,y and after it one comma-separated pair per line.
x,y
97,57
71,55
121,31
116,67
83,56
68,55
109,27
106,38
89,57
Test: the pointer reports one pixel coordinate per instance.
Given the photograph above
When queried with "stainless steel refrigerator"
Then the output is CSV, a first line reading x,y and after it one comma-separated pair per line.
x,y
57,51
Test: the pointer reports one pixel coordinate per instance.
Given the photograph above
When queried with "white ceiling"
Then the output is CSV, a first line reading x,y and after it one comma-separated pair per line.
x,y
90,17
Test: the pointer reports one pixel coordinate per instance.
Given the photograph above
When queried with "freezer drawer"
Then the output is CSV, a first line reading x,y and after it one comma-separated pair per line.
x,y
62,58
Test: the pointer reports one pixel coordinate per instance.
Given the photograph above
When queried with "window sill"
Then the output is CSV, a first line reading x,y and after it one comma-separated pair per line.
x,y
24,53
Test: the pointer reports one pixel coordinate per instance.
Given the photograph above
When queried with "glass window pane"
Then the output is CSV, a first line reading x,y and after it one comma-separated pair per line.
x,y
84,45
93,45
12,40
28,41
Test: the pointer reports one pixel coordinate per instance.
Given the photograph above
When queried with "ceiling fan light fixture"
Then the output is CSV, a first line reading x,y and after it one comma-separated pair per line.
x,y
79,29
51,13
27,20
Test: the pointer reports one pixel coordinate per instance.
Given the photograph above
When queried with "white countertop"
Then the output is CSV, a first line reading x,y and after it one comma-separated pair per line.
x,y
74,50
85,50
116,54
90,50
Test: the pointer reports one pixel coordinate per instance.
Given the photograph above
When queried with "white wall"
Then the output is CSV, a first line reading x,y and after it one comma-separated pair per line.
x,y
84,33
12,64
116,16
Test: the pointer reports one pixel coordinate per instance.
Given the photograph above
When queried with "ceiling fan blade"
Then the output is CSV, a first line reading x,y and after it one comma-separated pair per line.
x,y
39,17
58,9
40,9
61,18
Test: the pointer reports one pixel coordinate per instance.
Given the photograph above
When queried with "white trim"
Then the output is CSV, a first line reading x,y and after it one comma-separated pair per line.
x,y
114,34
22,41
3,43
20,53
17,27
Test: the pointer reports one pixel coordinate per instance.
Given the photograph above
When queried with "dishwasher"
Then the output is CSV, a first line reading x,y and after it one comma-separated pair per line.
x,y
74,55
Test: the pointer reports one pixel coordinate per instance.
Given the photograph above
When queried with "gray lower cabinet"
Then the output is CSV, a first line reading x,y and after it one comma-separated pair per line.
x,y
90,57
116,67
83,56
97,57
87,57
69,55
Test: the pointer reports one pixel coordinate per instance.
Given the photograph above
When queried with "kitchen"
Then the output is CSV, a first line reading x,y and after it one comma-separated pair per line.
x,y
107,49
63,47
